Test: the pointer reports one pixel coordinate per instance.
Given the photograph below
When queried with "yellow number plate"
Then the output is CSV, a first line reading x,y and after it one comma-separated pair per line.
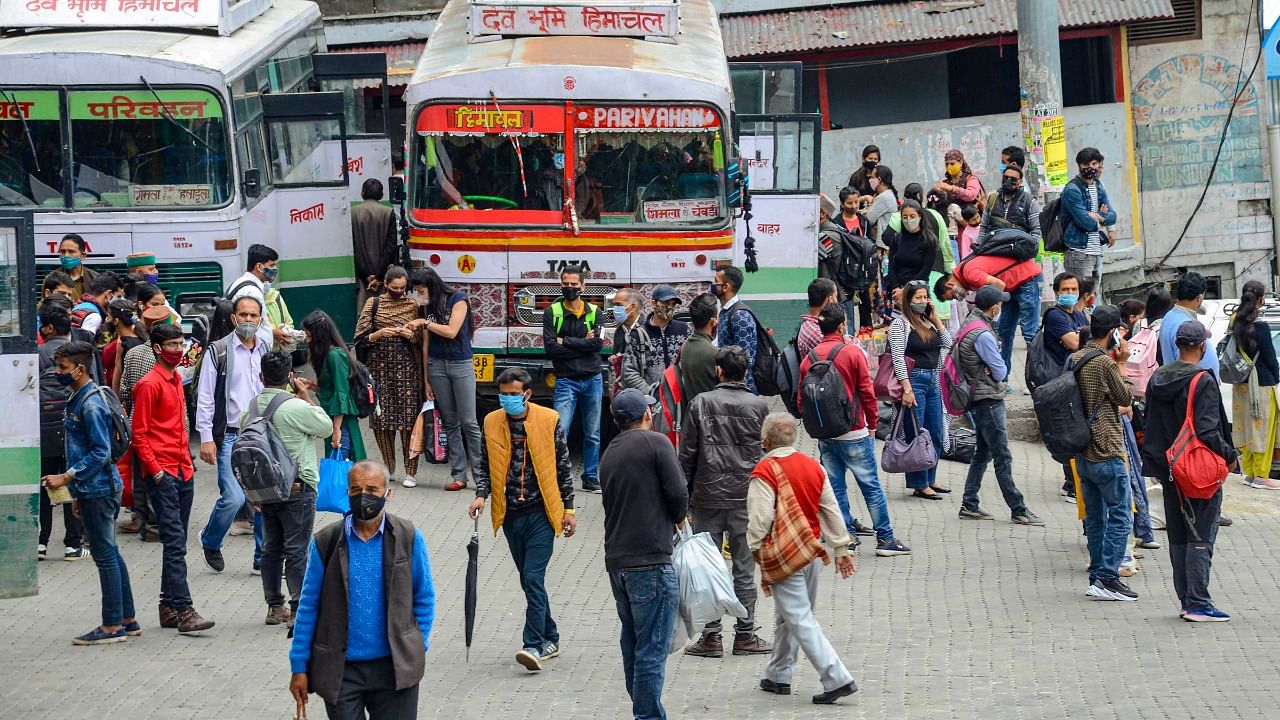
x,y
484,367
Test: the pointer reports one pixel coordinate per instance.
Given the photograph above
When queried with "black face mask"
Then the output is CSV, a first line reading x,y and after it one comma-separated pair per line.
x,y
1009,184
1089,173
367,507
869,165
570,293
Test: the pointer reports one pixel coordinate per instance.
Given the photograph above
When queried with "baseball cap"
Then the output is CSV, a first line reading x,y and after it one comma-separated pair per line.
x,y
629,405
663,293
1190,333
1105,317
988,296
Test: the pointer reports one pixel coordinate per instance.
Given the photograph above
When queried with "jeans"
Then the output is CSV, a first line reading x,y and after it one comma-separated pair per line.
x,y
70,523
1108,514
928,412
732,523
530,537
230,500
647,600
287,529
858,457
99,516
1191,557
370,685
992,444
171,501
1142,509
454,385
1083,266
1022,309
797,629
588,393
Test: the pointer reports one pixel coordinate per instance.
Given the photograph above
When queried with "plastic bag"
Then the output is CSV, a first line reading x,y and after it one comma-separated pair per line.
x,y
706,587
331,490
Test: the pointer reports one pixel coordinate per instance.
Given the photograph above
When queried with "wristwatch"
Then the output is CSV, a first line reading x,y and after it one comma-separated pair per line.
x,y
158,476
570,511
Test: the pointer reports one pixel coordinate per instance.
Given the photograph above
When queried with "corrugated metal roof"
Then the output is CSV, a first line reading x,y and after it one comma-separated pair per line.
x,y
402,58
908,22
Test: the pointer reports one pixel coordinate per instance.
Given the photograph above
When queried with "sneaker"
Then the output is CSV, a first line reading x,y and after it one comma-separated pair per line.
x,y
889,548
257,568
1206,614
42,552
73,554
409,482
708,645
1255,482
96,636
189,621
1152,544
1270,484
1009,390
860,529
1111,590
968,513
241,527
278,615
530,658
1069,496
1026,517
591,486
550,650
132,629
750,644
213,558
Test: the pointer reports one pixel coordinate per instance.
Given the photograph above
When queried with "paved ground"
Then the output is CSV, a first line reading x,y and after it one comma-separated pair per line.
x,y
985,620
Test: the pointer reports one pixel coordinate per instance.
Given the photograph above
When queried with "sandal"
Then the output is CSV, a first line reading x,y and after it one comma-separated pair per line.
x,y
926,496
455,486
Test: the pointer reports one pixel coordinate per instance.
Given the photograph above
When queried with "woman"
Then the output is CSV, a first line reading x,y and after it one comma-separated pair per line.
x,y
959,186
394,362
914,191
914,251
918,335
450,373
858,180
331,360
885,203
1131,312
849,217
129,333
1253,403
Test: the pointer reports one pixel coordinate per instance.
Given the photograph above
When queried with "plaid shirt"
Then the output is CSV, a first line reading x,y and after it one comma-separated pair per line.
x,y
1103,389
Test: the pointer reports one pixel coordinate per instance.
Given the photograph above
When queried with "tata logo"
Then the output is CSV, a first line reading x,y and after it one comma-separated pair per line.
x,y
558,266
53,246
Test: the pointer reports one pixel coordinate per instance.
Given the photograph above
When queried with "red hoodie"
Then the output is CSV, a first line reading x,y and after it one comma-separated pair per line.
x,y
851,363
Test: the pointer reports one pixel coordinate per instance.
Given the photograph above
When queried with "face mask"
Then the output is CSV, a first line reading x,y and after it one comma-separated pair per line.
x,y
395,294
512,404
1089,173
66,379
270,273
911,224
953,168
69,263
1009,184
664,312
367,507
1068,301
152,278
619,314
171,357
246,330
1002,167
570,293
869,165
420,299
920,308
874,183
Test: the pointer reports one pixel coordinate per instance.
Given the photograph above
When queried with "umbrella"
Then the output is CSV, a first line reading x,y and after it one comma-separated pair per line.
x,y
469,601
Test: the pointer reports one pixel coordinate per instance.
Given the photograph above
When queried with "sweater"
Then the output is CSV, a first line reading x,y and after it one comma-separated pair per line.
x,y
644,496
698,366
813,493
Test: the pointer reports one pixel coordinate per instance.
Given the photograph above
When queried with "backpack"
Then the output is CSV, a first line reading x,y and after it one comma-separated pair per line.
x,y
768,357
1053,224
225,306
1197,471
1041,367
82,310
957,390
121,434
1010,242
361,342
671,399
363,389
1234,365
1060,412
259,459
53,406
1144,358
856,269
828,411
788,375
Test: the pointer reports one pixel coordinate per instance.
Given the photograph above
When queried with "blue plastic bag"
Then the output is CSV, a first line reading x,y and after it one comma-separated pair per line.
x,y
331,491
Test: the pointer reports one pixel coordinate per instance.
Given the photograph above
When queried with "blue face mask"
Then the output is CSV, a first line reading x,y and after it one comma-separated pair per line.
x,y
1068,301
1002,166
514,405
619,314
69,263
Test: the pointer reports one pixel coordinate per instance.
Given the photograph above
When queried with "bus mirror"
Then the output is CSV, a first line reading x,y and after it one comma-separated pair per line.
x,y
252,183
397,190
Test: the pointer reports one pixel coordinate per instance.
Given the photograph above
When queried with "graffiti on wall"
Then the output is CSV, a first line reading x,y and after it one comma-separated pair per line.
x,y
1178,111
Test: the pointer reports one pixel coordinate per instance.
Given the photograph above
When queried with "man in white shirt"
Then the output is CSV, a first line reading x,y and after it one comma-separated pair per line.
x,y
263,268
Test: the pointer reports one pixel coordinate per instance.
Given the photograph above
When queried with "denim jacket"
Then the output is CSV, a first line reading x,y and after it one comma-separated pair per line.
x,y
1075,210
89,426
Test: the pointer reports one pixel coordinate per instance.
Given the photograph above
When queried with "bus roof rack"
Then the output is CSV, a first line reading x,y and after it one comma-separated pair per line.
x,y
654,20
224,16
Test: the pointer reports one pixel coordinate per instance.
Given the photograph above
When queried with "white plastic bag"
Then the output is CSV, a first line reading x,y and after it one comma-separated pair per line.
x,y
706,587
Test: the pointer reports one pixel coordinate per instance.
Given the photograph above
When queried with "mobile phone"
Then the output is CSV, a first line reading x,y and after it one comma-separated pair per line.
x,y
1116,337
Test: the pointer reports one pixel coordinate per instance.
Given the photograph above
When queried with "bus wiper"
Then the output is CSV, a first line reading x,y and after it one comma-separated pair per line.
x,y
12,99
169,116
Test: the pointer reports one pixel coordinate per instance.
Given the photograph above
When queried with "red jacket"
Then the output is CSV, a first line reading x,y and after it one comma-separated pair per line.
x,y
159,430
851,363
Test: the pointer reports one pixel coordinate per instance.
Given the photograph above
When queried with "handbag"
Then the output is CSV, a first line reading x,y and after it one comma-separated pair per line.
x,y
909,448
887,385
1234,366
331,489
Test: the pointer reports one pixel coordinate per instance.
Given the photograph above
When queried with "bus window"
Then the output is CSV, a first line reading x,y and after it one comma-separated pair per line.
x,y
483,172
305,152
134,148
652,178
30,151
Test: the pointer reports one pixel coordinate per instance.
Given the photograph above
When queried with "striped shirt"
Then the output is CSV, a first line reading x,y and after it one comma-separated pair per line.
x,y
899,330
1095,236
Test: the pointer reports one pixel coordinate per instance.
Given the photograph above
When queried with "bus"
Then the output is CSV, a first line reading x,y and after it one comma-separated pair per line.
x,y
576,133
191,131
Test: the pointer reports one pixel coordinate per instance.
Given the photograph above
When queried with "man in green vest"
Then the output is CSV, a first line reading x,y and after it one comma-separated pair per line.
x,y
571,337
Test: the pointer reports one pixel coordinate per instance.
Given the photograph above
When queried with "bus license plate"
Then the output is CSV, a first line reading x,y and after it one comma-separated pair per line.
x,y
484,367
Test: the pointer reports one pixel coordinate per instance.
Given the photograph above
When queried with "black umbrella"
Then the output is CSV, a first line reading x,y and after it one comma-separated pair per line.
x,y
469,601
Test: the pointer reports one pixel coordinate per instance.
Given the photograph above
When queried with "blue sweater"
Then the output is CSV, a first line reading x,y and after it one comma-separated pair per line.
x,y
366,601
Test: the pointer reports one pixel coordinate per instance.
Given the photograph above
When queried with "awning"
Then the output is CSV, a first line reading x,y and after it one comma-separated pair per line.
x,y
402,59
898,23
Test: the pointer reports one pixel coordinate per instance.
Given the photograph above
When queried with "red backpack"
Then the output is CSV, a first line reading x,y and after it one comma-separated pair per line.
x,y
1198,472
671,400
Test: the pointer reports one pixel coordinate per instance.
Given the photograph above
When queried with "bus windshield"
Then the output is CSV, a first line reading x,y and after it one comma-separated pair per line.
x,y
650,178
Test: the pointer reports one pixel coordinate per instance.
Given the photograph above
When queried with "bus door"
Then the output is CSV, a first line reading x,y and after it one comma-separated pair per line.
x,y
307,151
20,423
362,80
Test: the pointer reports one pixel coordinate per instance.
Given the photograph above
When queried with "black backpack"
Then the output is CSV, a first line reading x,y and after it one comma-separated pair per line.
x,y
828,410
1060,411
259,459
788,375
1053,224
53,406
1041,367
856,268
121,434
1010,242
362,344
363,389
225,306
768,357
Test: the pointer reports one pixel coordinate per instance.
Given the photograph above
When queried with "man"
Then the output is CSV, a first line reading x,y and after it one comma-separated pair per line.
x,y
58,283
92,308
95,486
631,344
977,271
822,292
795,597
1188,293
984,367
72,252
666,334
525,453
373,236
570,337
144,264
286,526
366,609
830,238
698,356
159,419
1086,213
644,496
55,328
1192,523
230,378
855,450
1104,476
1012,154
737,323
717,458
1064,326
1013,207
263,269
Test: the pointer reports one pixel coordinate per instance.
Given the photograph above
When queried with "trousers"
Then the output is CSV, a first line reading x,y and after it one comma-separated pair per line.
x,y
797,629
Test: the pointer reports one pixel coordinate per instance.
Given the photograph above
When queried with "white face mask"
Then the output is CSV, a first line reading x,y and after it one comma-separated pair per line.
x,y
911,224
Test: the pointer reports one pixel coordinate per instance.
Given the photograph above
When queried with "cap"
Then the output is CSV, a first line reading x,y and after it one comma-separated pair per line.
x,y
664,293
1190,333
988,296
1105,317
140,260
629,405
827,205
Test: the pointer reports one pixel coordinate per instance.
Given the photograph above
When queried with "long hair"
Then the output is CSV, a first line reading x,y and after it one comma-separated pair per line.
x,y
885,174
920,323
1246,314
927,229
324,337
1159,303
438,292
